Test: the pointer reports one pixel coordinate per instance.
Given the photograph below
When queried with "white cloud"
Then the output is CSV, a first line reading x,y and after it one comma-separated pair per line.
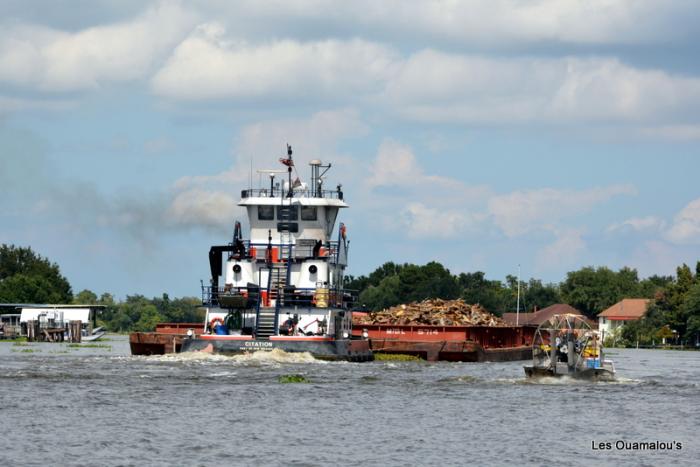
x,y
182,61
438,206
638,224
397,166
207,65
401,195
686,225
520,212
499,23
440,87
263,143
427,85
53,60
315,137
421,221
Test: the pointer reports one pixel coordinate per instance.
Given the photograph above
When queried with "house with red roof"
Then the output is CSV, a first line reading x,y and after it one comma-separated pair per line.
x,y
621,313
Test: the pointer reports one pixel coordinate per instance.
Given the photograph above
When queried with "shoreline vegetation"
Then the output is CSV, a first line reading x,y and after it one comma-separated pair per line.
x,y
673,313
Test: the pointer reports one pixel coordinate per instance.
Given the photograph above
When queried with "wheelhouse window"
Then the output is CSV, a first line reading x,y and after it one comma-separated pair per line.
x,y
266,213
308,213
287,213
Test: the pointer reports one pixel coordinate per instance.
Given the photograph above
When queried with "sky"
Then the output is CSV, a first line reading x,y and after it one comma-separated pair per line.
x,y
483,134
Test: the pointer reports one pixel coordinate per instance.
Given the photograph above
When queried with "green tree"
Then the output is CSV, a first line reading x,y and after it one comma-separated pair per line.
x,y
361,283
26,277
382,296
672,300
430,281
646,331
23,288
690,311
148,317
652,286
490,294
85,297
537,295
593,290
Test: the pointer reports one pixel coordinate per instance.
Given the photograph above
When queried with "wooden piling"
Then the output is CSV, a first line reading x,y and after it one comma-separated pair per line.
x,y
74,331
32,330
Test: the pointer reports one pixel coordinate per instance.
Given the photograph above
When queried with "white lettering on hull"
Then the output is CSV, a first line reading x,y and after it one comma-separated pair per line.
x,y
258,345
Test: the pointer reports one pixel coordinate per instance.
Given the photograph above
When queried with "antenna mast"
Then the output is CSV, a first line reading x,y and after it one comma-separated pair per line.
x,y
517,307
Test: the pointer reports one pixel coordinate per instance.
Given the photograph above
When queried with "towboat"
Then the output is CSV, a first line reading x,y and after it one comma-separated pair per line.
x,y
283,285
565,345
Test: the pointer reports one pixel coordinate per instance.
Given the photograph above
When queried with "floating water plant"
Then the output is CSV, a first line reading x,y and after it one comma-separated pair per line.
x,y
293,379
396,357
90,346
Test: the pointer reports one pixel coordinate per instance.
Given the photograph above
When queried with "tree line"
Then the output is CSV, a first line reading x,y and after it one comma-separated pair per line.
x,y
590,290
27,277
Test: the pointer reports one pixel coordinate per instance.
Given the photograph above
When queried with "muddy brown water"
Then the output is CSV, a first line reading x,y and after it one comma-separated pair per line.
x,y
99,406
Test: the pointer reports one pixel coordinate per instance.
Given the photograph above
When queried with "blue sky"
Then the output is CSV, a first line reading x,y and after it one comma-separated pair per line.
x,y
482,134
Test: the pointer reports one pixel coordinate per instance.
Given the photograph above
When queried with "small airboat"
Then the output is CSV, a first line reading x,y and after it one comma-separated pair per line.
x,y
565,345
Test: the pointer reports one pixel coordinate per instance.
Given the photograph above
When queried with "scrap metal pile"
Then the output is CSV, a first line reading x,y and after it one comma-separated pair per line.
x,y
435,312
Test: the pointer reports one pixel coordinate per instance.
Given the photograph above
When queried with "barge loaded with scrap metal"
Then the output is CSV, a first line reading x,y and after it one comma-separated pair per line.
x,y
450,330
283,286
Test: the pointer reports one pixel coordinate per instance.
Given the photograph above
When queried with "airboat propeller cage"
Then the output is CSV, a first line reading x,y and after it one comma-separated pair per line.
x,y
566,345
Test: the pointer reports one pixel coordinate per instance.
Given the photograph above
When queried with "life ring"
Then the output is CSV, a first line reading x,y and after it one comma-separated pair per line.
x,y
212,323
342,230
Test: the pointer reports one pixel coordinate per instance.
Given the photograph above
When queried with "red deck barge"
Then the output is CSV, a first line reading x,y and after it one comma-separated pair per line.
x,y
432,343
167,338
451,343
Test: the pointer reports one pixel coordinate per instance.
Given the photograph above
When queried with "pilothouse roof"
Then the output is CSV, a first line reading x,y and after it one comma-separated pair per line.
x,y
293,190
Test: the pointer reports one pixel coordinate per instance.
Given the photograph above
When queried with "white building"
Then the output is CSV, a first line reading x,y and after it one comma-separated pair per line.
x,y
630,309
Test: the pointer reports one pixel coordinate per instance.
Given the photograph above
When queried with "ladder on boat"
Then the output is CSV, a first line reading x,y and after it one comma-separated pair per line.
x,y
267,321
278,281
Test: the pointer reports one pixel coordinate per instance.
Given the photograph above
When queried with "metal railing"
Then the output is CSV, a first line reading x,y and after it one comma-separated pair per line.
x,y
299,250
280,193
288,296
210,295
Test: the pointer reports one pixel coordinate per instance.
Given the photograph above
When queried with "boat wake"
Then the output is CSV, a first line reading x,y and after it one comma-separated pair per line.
x,y
464,379
274,356
569,381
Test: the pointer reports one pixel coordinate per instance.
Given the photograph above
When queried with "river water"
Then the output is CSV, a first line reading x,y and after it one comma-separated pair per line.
x,y
99,406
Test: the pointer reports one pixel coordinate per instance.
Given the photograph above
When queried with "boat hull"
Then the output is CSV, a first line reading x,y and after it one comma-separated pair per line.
x,y
593,374
321,348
